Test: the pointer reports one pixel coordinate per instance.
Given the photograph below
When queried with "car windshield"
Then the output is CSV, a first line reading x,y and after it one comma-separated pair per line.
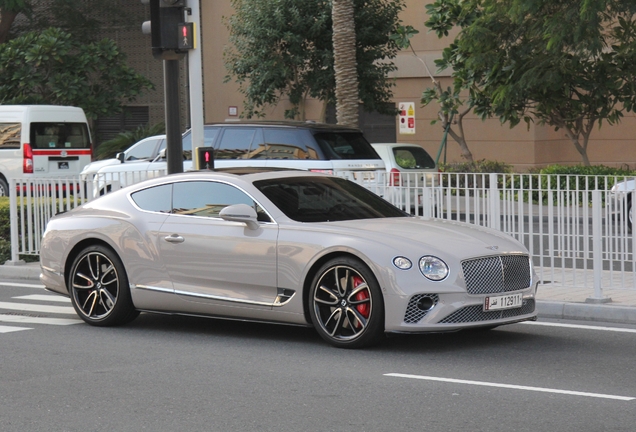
x,y
323,199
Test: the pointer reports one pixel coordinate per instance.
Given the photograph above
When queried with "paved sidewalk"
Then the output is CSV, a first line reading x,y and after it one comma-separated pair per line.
x,y
555,302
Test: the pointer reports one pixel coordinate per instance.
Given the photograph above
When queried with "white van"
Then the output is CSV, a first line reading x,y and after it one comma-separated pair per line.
x,y
42,141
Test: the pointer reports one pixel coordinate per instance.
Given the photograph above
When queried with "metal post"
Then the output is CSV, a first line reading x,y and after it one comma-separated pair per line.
x,y
196,84
495,203
597,261
174,146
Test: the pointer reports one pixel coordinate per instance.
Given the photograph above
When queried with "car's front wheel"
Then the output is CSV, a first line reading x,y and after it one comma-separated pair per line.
x,y
346,304
98,287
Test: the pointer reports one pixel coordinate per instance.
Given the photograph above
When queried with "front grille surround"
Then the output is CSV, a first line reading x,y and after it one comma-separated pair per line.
x,y
475,313
497,274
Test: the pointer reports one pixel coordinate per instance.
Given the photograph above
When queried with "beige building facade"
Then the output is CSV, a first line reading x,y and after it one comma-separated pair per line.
x,y
522,147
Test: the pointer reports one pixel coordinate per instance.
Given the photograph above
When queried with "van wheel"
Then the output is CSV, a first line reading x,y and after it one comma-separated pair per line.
x,y
4,188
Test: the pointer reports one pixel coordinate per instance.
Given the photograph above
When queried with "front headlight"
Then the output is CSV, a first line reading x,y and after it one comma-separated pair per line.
x,y
433,268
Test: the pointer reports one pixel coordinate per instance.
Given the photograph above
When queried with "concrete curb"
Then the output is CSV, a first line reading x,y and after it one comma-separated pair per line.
x,y
586,312
20,271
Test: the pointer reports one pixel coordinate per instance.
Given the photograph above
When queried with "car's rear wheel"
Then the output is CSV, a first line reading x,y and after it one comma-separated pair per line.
x,y
346,304
98,287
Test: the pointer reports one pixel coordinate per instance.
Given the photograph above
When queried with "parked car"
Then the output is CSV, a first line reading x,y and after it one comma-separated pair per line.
x,y
620,199
283,246
145,149
295,145
42,141
409,168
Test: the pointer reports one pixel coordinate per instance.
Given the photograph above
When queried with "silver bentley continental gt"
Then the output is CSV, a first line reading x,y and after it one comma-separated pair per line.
x,y
287,247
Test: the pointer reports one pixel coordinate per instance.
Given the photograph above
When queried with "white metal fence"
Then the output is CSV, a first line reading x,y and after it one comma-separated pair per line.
x,y
575,227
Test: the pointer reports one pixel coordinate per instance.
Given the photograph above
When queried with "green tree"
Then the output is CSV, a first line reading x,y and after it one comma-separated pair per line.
x,y
284,48
9,10
53,67
569,64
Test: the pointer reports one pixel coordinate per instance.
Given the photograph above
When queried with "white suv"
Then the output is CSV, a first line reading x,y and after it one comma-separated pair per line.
x,y
281,144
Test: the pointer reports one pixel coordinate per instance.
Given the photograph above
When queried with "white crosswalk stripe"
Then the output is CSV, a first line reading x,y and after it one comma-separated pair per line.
x,y
7,329
23,310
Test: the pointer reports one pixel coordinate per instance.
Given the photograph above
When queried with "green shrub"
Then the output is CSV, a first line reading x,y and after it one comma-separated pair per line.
x,y
480,166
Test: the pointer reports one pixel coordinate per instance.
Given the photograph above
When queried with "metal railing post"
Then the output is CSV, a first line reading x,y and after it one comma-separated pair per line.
x,y
597,250
13,219
495,204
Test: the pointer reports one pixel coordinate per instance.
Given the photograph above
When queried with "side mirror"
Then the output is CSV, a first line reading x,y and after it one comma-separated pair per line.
x,y
240,213
121,157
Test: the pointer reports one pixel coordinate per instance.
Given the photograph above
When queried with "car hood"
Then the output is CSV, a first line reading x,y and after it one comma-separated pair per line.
x,y
431,236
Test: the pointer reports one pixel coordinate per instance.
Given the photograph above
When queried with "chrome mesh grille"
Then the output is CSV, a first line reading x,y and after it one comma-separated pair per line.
x,y
475,313
413,313
497,274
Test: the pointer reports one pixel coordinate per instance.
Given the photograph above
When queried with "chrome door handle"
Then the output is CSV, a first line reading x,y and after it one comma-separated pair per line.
x,y
174,238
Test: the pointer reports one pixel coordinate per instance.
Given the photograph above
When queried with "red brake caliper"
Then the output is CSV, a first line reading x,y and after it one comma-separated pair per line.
x,y
363,308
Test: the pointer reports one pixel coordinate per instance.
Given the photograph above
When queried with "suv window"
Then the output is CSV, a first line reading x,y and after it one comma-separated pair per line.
x,y
290,144
236,143
208,138
345,145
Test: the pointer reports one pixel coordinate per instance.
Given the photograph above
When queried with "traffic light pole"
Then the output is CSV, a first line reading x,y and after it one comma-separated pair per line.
x,y
174,144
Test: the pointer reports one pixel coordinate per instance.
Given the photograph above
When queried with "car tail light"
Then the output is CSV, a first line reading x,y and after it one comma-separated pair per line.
x,y
330,172
27,162
394,178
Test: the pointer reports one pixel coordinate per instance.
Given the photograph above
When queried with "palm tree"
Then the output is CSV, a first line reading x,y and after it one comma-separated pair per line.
x,y
345,65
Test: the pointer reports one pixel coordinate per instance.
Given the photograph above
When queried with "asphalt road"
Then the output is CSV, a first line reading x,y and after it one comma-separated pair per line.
x,y
166,373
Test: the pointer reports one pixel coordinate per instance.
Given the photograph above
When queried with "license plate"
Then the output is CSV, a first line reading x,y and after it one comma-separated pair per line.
x,y
509,301
62,165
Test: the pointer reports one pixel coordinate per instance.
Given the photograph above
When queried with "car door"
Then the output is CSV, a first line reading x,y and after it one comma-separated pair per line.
x,y
216,261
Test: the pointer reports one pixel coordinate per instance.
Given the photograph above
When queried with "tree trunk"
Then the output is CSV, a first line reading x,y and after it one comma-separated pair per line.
x,y
6,20
345,65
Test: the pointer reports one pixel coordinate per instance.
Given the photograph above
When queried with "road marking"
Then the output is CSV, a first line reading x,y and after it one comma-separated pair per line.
x,y
23,285
44,297
38,320
37,308
510,386
578,326
7,329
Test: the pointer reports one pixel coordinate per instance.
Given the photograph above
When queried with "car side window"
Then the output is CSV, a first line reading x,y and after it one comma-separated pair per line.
x,y
207,198
209,134
235,143
290,144
143,150
155,199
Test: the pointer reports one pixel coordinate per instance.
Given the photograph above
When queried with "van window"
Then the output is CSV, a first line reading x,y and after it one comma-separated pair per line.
x,y
345,145
59,136
290,144
413,158
10,135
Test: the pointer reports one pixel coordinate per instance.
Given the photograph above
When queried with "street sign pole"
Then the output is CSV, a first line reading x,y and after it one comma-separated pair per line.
x,y
174,144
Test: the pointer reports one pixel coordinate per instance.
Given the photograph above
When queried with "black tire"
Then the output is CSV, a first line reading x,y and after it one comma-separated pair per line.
x,y
346,305
98,287
4,188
